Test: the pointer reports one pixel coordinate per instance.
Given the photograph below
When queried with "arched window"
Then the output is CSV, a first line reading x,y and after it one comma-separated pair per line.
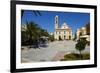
x,y
64,32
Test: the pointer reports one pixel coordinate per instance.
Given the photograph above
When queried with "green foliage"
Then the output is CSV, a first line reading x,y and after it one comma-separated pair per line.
x,y
24,38
74,56
81,46
51,38
44,33
33,33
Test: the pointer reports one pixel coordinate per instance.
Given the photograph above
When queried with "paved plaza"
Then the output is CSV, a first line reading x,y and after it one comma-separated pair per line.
x,y
54,51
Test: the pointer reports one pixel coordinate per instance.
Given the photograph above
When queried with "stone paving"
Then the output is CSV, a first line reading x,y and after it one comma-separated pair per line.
x,y
53,52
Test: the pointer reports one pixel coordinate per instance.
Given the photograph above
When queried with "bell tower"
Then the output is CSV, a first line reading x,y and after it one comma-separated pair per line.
x,y
56,22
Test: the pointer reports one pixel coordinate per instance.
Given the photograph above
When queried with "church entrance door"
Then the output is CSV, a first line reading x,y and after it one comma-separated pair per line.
x,y
64,37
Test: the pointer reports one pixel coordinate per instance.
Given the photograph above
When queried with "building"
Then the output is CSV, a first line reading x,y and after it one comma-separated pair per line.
x,y
63,33
51,33
23,27
84,32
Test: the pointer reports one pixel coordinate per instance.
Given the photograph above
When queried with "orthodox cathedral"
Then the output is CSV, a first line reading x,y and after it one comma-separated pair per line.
x,y
63,32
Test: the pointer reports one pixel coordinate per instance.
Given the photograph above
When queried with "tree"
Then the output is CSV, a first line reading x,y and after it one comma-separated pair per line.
x,y
51,38
24,38
80,46
32,33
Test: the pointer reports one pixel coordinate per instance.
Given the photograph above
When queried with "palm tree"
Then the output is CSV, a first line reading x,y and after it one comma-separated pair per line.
x,y
33,33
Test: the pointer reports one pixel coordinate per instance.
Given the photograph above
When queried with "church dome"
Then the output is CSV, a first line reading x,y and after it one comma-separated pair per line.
x,y
64,26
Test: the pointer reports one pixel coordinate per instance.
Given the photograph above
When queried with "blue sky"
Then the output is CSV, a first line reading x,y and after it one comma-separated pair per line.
x,y
46,21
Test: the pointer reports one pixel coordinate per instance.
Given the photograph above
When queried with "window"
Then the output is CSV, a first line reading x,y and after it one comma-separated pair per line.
x,y
56,32
64,32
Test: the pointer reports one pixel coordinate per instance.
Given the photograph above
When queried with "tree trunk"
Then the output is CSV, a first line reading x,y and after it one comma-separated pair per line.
x,y
30,40
80,55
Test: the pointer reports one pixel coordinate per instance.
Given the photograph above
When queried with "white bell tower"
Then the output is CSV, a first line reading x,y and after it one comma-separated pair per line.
x,y
56,22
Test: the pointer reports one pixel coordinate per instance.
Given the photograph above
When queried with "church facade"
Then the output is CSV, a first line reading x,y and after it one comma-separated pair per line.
x,y
63,32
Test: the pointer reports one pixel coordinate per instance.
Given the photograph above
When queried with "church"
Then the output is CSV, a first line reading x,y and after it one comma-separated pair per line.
x,y
63,32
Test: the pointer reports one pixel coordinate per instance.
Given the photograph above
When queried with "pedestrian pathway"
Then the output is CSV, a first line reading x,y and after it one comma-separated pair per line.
x,y
53,52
